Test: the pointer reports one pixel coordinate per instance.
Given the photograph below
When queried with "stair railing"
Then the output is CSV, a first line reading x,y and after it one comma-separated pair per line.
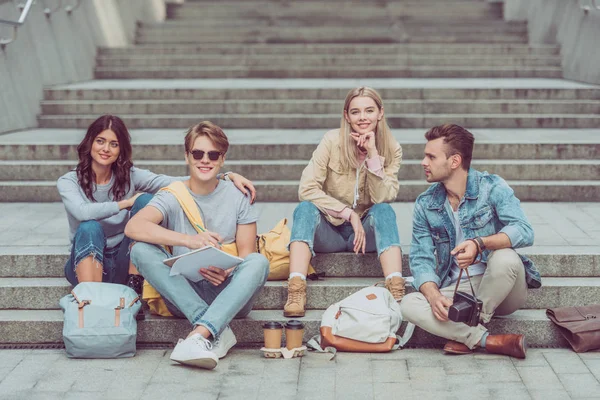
x,y
16,24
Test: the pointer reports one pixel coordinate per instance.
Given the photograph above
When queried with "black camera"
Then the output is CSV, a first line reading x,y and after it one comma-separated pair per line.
x,y
466,308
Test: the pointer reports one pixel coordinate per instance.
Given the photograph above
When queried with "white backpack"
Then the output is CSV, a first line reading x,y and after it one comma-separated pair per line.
x,y
366,321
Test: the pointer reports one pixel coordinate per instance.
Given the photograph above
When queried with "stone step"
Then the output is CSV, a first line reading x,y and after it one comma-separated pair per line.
x,y
263,170
248,89
309,36
458,11
44,293
540,107
45,326
575,261
287,191
249,144
287,60
324,22
300,121
310,49
306,72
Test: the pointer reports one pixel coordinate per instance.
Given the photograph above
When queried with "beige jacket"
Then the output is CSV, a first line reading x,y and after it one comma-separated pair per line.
x,y
325,185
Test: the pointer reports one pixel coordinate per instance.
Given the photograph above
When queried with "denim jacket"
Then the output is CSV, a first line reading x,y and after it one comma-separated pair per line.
x,y
488,207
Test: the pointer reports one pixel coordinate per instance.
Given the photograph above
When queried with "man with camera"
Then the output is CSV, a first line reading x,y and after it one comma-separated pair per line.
x,y
465,229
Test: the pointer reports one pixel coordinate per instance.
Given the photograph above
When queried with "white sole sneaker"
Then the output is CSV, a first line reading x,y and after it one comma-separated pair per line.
x,y
224,343
194,352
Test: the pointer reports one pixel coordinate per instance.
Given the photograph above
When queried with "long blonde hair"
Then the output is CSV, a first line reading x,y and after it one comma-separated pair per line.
x,y
384,141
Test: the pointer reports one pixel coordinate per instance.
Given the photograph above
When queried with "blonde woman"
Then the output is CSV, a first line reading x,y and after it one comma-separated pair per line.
x,y
344,192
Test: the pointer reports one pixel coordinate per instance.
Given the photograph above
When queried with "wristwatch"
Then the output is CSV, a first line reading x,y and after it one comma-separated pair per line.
x,y
479,241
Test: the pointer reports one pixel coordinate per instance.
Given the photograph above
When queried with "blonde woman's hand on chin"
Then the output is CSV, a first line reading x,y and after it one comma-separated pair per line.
x,y
365,142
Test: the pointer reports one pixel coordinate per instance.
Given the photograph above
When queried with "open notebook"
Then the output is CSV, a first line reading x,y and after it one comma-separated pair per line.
x,y
189,264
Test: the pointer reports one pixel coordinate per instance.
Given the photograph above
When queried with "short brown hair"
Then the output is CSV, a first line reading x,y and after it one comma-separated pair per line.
x,y
212,131
459,140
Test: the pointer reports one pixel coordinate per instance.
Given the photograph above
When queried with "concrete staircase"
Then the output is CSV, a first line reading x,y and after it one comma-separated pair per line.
x,y
433,61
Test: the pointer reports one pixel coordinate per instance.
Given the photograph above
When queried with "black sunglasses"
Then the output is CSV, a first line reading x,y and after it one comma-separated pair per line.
x,y
212,155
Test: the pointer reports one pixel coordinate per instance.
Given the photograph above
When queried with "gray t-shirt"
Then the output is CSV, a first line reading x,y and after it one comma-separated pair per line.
x,y
105,210
221,211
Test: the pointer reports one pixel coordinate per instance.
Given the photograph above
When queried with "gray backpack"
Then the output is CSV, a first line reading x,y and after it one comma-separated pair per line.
x,y
99,320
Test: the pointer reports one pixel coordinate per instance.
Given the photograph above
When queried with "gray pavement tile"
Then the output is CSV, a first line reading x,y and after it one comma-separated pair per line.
x,y
357,372
460,364
4,372
279,371
502,370
25,375
560,394
590,355
32,395
535,358
11,358
94,380
594,367
58,380
316,360
391,391
389,371
316,376
513,392
566,363
315,394
581,385
84,395
540,378
350,390
270,389
174,391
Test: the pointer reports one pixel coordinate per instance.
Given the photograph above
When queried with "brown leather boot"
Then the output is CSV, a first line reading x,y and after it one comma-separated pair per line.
x,y
454,347
396,286
296,300
510,345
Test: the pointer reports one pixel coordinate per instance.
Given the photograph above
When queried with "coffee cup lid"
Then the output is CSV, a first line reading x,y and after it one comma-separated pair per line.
x,y
294,324
272,325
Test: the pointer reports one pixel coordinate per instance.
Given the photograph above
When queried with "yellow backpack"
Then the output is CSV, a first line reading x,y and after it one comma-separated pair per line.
x,y
273,245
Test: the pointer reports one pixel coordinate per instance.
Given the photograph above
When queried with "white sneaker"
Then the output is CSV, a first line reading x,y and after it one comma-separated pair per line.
x,y
224,342
195,351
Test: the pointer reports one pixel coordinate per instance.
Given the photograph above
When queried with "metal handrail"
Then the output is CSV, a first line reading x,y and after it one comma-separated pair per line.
x,y
15,24
49,11
591,5
69,9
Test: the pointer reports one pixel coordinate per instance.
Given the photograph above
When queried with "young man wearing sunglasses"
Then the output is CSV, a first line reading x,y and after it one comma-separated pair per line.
x,y
209,304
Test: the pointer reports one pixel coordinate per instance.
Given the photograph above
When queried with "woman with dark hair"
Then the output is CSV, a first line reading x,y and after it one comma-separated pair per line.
x,y
100,197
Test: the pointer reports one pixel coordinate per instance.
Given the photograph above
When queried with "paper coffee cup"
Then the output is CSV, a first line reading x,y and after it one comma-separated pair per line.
x,y
272,332
294,331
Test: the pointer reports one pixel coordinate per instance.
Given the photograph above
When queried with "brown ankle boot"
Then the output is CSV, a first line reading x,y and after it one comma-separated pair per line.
x,y
396,286
510,345
296,300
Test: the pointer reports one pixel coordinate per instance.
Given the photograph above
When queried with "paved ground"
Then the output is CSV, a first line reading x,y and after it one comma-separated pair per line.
x,y
406,374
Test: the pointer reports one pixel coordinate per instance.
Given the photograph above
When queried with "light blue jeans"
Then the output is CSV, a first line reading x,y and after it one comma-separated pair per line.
x,y
91,240
201,302
311,227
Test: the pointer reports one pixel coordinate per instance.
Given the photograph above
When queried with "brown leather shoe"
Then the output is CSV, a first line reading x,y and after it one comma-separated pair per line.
x,y
453,347
510,345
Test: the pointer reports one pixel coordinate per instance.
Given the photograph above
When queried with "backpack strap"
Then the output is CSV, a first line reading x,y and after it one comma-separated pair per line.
x,y
187,204
192,212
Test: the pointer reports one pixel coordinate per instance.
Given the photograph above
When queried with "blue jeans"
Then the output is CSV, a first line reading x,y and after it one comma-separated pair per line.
x,y
201,302
311,227
91,240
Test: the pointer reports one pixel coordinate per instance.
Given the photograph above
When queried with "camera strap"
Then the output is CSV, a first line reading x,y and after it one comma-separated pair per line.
x,y
466,270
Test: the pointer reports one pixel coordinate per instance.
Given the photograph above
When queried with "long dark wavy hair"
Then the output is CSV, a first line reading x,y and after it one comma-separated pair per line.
x,y
121,168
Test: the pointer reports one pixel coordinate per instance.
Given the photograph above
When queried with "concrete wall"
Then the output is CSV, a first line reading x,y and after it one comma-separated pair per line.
x,y
563,22
60,49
